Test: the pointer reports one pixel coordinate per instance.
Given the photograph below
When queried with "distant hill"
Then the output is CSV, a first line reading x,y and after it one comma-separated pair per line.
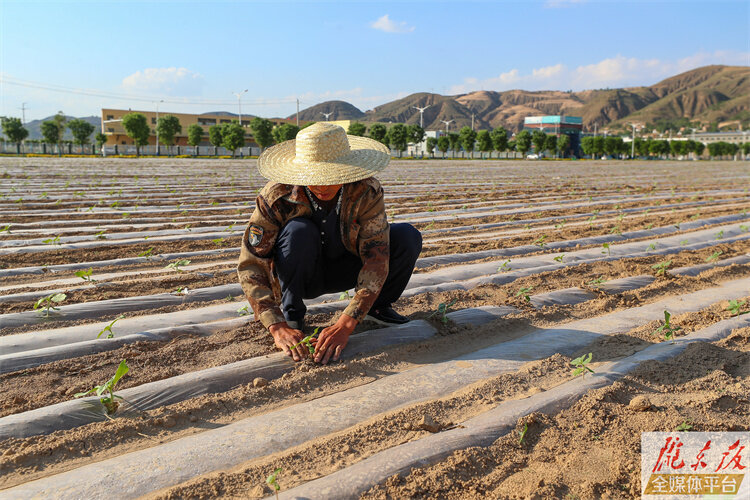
x,y
34,127
339,110
707,94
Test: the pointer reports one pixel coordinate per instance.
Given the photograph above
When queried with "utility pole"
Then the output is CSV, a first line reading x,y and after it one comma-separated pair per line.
x,y
157,127
239,103
632,146
298,113
421,112
23,109
326,114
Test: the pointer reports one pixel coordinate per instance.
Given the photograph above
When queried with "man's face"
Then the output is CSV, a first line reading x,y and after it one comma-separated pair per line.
x,y
325,193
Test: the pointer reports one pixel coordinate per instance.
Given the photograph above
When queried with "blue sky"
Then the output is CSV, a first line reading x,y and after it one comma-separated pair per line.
x,y
195,54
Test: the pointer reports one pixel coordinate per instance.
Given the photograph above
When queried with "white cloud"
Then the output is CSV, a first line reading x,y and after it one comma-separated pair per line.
x,y
164,81
614,72
389,26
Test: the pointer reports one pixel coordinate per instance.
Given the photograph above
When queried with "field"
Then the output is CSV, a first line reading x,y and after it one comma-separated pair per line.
x,y
526,266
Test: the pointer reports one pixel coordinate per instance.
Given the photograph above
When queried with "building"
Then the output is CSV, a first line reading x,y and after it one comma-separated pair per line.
x,y
736,137
116,135
572,126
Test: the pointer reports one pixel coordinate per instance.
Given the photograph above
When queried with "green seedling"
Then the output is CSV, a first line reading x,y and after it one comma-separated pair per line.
x,y
527,226
442,311
243,311
714,256
126,215
524,292
230,228
100,235
560,225
606,249
719,235
581,364
47,303
684,242
218,241
743,228
52,241
504,267
523,433
735,306
214,203
684,427
183,290
540,241
109,387
108,328
661,267
114,204
187,227
652,246
615,230
5,229
345,295
229,298
307,341
147,253
559,258
177,265
85,275
271,480
597,281
649,226
667,328
428,226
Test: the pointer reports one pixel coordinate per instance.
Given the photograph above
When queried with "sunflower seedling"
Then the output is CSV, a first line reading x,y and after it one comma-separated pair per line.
x,y
735,306
651,246
683,427
523,433
52,241
524,292
108,328
606,249
667,328
345,295
684,242
308,341
714,256
218,241
243,311
183,290
720,235
100,235
661,267
47,303
108,387
271,480
597,281
147,253
177,265
5,229
559,258
581,364
540,241
504,267
85,275
442,311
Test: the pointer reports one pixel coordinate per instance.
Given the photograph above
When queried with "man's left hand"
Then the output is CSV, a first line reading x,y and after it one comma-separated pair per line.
x,y
332,340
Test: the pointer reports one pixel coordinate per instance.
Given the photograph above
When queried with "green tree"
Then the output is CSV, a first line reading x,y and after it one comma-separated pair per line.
x,y
378,131
467,137
285,132
484,141
60,119
539,139
81,130
357,129
431,143
455,140
399,136
50,132
214,136
745,148
698,148
14,130
168,127
386,140
598,145
443,144
415,133
232,136
195,134
612,145
523,142
100,139
262,132
563,144
136,126
499,139
550,144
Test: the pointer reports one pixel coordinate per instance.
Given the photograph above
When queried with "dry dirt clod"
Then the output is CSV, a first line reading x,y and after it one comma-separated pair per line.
x,y
347,449
260,382
169,422
640,403
407,426
193,418
428,424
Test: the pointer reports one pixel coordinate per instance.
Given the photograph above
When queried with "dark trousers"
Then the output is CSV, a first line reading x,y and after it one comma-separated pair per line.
x,y
305,273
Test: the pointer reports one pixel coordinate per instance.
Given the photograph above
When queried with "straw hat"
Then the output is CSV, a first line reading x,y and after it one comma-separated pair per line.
x,y
323,155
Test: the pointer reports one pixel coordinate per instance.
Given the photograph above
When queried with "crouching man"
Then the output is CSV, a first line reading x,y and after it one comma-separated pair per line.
x,y
319,226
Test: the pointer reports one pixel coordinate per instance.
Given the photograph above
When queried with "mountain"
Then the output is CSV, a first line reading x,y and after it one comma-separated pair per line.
x,y
34,127
707,94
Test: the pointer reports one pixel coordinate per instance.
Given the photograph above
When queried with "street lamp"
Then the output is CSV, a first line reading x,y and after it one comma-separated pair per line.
x,y
157,126
239,103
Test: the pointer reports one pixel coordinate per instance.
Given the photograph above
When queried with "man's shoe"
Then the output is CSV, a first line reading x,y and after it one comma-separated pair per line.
x,y
386,316
296,325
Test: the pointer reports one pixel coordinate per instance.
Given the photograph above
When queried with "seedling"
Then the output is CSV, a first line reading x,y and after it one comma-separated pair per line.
x,y
615,230
47,303
147,253
684,427
230,228
719,235
606,249
523,433
540,241
714,256
108,387
504,267
684,242
183,290
177,265
218,241
649,226
271,480
52,241
85,275
559,258
108,328
345,295
243,311
187,227
100,235
668,329
5,229
661,267
442,311
581,364
735,306
524,292
743,228
652,246
597,281
308,341
560,225
229,298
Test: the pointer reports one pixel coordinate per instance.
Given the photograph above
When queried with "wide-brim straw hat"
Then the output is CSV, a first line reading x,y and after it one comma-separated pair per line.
x,y
323,155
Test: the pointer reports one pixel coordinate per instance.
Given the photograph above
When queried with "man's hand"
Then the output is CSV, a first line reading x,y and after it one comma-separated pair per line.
x,y
285,337
332,340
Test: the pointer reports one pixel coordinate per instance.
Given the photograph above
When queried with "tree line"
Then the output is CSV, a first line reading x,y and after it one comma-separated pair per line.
x,y
52,131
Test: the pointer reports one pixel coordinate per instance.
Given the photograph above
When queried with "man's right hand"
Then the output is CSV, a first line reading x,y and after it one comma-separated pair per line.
x,y
285,338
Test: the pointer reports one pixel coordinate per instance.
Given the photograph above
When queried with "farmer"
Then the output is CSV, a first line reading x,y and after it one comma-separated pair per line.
x,y
319,226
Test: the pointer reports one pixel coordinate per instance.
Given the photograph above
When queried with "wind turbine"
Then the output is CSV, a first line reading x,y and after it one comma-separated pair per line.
x,y
326,114
446,124
421,114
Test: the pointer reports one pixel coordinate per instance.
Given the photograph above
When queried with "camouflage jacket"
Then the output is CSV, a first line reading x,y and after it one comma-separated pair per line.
x,y
364,232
